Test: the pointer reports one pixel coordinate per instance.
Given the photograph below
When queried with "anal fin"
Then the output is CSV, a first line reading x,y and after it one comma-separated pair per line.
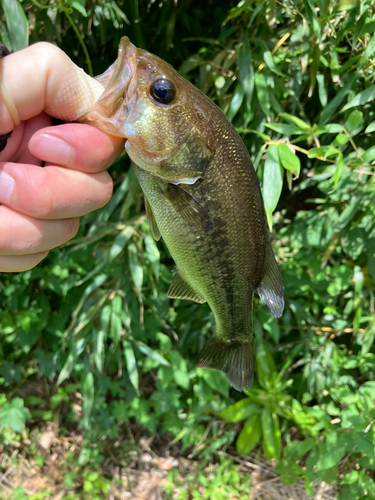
x,y
234,357
180,289
151,220
271,287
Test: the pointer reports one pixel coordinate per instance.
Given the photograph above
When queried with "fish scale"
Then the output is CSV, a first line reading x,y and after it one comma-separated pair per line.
x,y
202,197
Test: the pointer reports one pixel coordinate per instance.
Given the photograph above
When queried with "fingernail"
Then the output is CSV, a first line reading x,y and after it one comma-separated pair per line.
x,y
52,149
6,187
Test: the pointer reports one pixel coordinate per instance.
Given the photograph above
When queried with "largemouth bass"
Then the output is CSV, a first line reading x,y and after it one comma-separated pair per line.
x,y
202,197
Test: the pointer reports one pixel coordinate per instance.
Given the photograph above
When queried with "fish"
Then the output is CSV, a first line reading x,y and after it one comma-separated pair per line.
x,y
202,196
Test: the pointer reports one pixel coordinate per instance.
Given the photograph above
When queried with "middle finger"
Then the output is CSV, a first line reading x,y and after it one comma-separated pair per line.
x,y
52,192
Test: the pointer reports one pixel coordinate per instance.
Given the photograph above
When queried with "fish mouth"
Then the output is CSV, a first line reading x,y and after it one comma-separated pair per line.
x,y
112,109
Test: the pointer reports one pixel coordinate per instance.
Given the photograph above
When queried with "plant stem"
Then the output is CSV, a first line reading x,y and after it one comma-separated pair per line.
x,y
39,5
83,45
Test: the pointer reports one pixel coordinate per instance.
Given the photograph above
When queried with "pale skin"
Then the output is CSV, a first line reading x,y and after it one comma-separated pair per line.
x,y
40,207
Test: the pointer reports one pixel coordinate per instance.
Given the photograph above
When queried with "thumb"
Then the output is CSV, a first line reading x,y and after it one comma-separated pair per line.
x,y
43,78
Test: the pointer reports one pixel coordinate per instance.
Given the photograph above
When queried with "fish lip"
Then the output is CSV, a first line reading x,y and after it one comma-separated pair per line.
x,y
111,110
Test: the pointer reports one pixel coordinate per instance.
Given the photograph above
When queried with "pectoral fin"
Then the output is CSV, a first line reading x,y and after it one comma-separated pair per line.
x,y
271,287
151,220
188,207
180,289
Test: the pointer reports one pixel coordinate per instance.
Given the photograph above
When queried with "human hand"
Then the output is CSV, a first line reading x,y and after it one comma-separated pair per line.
x,y
40,206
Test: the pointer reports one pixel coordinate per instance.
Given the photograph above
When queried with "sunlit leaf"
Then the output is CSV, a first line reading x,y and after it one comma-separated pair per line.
x,y
262,93
14,415
136,270
272,181
339,169
131,364
297,121
312,16
79,5
250,435
240,410
362,98
289,160
236,101
17,24
271,434
151,353
88,397
246,70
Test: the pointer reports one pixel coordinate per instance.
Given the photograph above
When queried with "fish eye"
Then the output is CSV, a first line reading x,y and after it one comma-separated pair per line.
x,y
163,91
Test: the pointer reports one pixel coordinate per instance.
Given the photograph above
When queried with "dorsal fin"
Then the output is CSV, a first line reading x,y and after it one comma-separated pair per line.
x,y
181,289
271,287
151,221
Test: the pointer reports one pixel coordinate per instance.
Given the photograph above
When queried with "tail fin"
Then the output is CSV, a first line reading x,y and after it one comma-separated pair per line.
x,y
234,357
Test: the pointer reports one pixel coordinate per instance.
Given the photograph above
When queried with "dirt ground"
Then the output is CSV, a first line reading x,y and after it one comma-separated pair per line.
x,y
142,479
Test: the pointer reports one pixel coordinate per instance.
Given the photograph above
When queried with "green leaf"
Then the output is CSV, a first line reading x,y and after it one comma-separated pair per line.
x,y
348,213
359,25
339,169
250,435
354,121
236,101
271,434
236,11
131,364
99,337
341,140
329,475
136,270
116,320
370,49
329,110
370,127
369,155
119,242
17,24
285,129
14,414
88,397
19,493
78,5
334,449
270,63
289,160
266,367
312,16
246,70
295,450
322,90
215,379
153,254
240,410
297,121
325,151
151,353
272,181
263,95
181,378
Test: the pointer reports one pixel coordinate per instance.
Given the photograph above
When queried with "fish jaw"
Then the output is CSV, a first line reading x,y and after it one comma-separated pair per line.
x,y
111,111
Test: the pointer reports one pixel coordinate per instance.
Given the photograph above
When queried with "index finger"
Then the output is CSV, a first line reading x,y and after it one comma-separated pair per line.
x,y
42,77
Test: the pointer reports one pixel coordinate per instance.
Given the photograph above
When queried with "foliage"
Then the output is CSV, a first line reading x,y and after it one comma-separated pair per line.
x,y
221,482
297,81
